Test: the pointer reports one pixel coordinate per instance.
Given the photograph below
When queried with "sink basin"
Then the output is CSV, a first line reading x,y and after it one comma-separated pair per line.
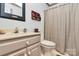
x,y
2,33
6,31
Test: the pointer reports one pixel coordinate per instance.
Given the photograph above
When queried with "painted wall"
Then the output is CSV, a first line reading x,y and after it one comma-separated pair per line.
x,y
29,23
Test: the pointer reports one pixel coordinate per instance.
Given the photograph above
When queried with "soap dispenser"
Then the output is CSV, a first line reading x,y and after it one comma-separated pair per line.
x,y
16,30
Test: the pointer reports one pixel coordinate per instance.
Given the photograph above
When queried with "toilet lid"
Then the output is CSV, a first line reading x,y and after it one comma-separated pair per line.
x,y
48,43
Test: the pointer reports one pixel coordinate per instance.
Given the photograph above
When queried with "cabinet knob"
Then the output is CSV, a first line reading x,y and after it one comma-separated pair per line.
x,y
29,52
27,42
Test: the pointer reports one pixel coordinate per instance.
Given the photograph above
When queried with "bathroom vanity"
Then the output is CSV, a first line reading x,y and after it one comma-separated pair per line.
x,y
20,44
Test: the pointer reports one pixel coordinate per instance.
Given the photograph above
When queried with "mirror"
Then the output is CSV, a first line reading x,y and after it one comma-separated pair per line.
x,y
13,11
13,8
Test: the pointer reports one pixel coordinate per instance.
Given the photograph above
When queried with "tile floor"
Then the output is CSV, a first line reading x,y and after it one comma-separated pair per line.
x,y
54,53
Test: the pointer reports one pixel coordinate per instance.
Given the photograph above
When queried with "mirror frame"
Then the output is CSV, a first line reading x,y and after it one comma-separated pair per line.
x,y
12,16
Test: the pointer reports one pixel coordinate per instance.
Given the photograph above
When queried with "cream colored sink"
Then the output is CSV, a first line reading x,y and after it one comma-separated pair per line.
x,y
6,31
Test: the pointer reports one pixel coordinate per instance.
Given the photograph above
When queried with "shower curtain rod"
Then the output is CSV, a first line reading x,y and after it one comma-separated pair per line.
x,y
56,6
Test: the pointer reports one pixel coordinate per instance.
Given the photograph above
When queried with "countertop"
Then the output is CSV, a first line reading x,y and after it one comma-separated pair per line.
x,y
16,35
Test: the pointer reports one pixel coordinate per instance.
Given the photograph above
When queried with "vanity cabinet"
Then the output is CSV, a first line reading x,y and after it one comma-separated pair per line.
x,y
20,45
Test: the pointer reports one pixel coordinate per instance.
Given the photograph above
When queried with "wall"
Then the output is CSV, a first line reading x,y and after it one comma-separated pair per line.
x,y
38,7
29,24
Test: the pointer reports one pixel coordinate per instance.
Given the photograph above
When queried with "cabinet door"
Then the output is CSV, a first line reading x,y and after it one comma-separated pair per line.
x,y
34,50
19,53
11,47
32,40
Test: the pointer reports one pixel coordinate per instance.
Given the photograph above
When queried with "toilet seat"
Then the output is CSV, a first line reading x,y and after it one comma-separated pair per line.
x,y
48,44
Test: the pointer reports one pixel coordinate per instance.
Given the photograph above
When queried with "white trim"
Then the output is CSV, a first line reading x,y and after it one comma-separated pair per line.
x,y
57,5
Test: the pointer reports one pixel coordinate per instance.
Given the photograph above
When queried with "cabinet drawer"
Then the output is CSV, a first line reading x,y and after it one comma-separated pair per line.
x,y
34,50
32,40
19,53
12,46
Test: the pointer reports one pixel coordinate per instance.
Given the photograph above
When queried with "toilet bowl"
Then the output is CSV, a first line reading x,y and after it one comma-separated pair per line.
x,y
47,47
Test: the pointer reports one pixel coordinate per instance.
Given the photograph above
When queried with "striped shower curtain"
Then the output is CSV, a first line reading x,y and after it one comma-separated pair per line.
x,y
62,27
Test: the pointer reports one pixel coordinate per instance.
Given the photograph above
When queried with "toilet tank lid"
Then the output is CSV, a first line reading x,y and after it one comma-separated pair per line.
x,y
48,43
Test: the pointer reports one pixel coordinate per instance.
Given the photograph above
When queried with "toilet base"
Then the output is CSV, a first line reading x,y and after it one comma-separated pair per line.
x,y
47,51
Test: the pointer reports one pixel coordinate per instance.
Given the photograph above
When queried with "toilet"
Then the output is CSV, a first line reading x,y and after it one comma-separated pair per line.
x,y
47,47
